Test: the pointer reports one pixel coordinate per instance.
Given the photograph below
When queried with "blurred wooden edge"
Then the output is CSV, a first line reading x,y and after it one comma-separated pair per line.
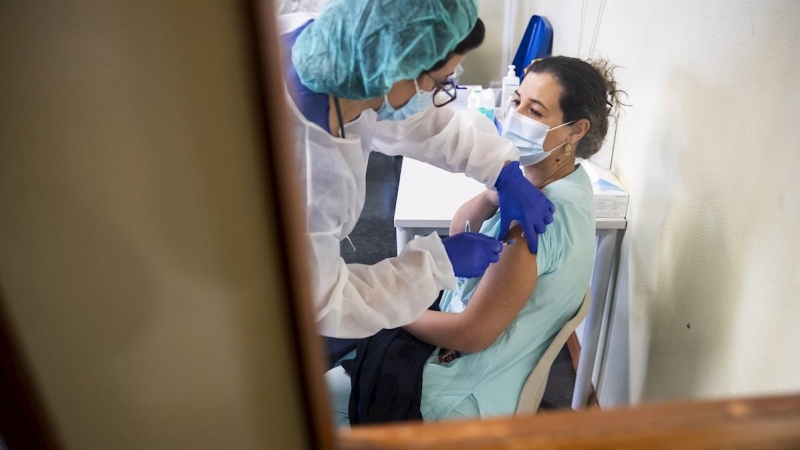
x,y
574,348
758,423
24,423
280,167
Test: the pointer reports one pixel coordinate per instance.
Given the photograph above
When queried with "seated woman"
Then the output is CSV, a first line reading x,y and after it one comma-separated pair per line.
x,y
492,331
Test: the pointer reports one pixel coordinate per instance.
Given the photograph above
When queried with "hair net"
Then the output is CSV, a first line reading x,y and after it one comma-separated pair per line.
x,y
359,48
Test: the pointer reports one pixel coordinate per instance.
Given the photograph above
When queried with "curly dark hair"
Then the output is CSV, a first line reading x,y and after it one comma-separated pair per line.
x,y
589,91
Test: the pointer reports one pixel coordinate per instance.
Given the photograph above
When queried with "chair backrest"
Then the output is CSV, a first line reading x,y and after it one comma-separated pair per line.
x,y
533,389
537,42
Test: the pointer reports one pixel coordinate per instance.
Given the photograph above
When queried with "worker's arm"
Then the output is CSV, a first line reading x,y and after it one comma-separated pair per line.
x,y
462,142
499,297
358,300
476,210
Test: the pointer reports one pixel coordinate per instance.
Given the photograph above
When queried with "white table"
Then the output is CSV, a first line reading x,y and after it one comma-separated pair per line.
x,y
427,199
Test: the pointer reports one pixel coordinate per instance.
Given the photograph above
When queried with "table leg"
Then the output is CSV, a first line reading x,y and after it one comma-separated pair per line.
x,y
606,247
404,236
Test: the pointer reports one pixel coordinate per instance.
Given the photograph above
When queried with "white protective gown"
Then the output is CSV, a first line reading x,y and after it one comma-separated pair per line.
x,y
356,300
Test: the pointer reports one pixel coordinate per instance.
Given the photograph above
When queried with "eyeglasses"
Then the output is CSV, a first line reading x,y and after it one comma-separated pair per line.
x,y
444,92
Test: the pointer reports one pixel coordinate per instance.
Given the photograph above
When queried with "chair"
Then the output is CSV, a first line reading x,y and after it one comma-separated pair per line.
x,y
537,42
533,389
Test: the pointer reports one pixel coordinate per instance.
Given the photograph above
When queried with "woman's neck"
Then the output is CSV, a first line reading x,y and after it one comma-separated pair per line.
x,y
554,167
350,109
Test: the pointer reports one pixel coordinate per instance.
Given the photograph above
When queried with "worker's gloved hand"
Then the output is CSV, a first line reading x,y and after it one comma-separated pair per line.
x,y
523,202
471,253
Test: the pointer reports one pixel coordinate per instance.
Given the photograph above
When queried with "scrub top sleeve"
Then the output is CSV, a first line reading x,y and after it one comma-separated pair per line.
x,y
551,247
463,141
363,299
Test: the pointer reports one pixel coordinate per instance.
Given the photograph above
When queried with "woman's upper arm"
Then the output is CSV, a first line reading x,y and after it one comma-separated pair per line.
x,y
502,292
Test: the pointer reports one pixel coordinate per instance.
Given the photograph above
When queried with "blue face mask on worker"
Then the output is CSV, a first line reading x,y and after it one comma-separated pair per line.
x,y
420,100
528,135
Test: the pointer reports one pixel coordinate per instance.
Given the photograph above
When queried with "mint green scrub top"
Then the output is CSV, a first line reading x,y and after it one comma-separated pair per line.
x,y
488,383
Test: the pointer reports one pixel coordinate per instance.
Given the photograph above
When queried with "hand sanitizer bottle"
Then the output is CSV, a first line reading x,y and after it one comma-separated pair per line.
x,y
486,104
510,84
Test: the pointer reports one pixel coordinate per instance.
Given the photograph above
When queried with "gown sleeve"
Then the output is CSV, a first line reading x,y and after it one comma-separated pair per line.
x,y
463,141
359,300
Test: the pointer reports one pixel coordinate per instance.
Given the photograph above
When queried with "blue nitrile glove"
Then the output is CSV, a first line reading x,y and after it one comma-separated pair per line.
x,y
523,202
471,253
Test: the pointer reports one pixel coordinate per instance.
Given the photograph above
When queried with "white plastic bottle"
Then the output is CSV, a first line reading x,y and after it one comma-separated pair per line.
x,y
510,84
474,98
486,103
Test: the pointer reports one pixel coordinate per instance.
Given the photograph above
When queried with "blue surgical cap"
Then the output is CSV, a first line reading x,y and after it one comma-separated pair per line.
x,y
358,49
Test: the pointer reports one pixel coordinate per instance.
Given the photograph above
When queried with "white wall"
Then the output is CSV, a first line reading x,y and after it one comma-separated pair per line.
x,y
483,65
707,295
136,254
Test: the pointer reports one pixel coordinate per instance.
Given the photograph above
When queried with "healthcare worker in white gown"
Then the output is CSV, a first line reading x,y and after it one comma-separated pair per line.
x,y
371,74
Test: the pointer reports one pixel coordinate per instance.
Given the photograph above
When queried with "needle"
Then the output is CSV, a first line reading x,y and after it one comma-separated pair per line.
x,y
467,230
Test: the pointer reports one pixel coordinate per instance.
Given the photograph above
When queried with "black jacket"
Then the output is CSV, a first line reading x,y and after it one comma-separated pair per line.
x,y
386,377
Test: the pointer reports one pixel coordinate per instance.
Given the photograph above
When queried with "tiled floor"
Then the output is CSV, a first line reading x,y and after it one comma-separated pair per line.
x,y
374,240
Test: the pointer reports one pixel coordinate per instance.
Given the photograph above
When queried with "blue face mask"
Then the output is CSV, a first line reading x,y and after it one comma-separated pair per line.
x,y
418,102
528,135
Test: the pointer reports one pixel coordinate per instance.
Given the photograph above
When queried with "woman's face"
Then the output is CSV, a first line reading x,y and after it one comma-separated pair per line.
x,y
402,91
538,98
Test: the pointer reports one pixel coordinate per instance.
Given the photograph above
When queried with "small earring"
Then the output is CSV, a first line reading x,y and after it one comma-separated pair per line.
x,y
568,150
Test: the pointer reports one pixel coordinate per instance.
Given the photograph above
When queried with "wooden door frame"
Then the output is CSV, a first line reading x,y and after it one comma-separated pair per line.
x,y
772,423
24,422
280,168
